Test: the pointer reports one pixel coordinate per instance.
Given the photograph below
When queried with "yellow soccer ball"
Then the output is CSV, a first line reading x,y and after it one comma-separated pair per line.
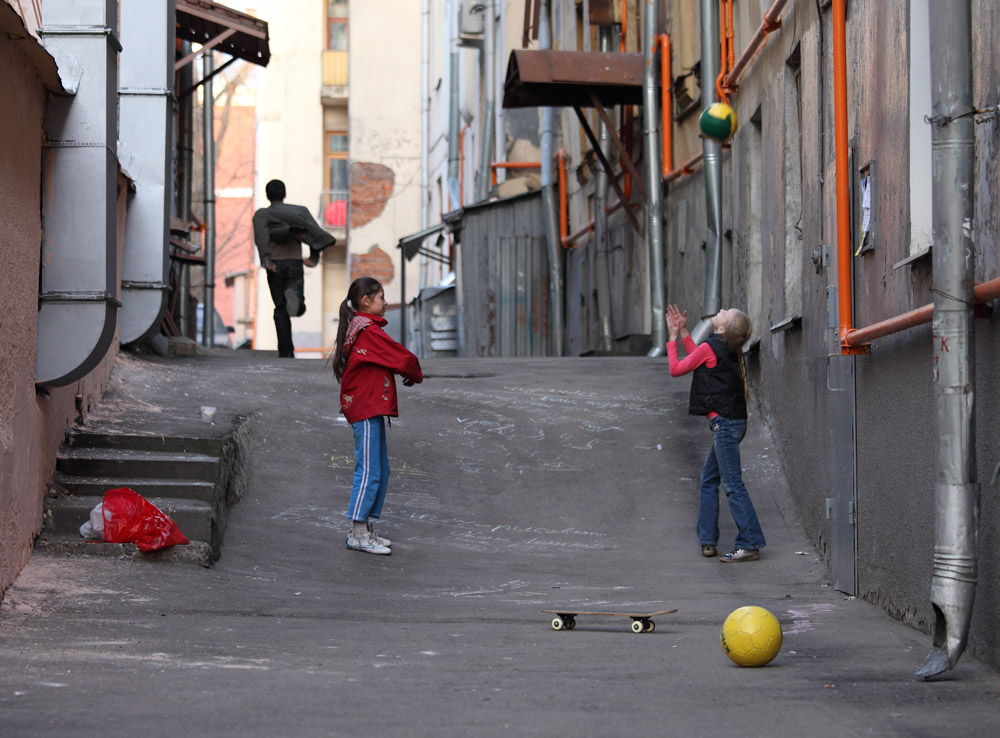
x,y
718,122
751,636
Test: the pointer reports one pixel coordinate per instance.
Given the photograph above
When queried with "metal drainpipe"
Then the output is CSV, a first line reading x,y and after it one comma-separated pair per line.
x,y
602,271
549,208
185,141
953,587
208,129
454,115
146,108
489,107
425,113
79,265
654,182
712,153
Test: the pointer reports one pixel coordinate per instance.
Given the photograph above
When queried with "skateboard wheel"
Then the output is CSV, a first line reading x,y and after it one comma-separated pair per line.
x,y
638,626
558,623
570,622
650,626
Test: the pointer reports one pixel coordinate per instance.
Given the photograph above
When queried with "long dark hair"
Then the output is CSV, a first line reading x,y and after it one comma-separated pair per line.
x,y
736,334
360,287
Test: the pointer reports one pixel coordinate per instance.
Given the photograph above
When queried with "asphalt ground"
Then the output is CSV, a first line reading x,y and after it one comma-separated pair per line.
x,y
517,485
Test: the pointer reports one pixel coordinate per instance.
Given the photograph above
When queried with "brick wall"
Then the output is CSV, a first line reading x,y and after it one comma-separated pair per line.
x,y
371,187
376,264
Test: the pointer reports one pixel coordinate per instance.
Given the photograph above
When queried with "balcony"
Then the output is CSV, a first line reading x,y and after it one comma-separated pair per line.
x,y
333,211
334,76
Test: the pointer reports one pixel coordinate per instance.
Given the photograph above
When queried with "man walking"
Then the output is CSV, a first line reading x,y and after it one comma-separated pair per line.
x,y
279,231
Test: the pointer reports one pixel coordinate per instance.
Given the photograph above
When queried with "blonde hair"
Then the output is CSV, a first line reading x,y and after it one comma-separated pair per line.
x,y
737,331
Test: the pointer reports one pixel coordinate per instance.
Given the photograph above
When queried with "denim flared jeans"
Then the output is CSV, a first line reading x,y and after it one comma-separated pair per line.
x,y
723,466
371,469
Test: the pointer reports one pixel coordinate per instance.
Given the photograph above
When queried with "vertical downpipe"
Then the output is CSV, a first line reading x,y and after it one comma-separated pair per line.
x,y
489,107
654,182
454,116
601,235
208,128
953,587
186,156
549,207
712,151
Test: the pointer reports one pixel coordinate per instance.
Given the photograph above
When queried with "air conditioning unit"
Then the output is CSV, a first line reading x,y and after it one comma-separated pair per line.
x,y
470,22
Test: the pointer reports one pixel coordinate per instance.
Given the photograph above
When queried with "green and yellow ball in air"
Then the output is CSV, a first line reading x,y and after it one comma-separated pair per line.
x,y
718,122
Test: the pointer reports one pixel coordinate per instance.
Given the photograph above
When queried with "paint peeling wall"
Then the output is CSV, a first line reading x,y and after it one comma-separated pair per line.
x,y
778,184
385,133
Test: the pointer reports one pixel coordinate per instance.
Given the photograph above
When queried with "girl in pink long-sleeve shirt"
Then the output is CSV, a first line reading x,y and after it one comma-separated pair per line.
x,y
718,391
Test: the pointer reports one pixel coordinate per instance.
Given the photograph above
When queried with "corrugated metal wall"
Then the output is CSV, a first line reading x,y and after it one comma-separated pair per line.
x,y
503,279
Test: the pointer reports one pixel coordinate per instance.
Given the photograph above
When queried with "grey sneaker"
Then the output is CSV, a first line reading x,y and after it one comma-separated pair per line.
x,y
366,544
708,550
740,554
378,539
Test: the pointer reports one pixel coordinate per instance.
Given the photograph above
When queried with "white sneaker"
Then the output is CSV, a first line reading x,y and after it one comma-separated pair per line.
x,y
378,539
366,544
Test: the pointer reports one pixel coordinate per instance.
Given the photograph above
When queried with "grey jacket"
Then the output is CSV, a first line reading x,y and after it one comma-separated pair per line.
x,y
280,230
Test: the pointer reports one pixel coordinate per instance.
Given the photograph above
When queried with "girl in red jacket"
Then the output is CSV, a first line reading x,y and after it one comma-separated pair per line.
x,y
365,361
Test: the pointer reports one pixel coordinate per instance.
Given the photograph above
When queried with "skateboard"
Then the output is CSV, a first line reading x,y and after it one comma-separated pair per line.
x,y
641,623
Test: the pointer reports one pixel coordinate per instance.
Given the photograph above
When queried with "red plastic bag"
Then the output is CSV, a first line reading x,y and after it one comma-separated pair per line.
x,y
131,518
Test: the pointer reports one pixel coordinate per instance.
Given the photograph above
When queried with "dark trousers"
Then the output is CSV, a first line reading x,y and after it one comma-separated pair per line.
x,y
286,278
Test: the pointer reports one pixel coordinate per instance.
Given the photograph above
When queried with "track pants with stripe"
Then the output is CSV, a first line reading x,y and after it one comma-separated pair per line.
x,y
371,469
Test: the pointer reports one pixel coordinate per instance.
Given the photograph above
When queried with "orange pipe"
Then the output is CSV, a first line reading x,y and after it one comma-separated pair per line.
x,y
627,132
666,122
844,292
729,31
624,25
685,168
860,336
768,25
720,93
572,238
511,165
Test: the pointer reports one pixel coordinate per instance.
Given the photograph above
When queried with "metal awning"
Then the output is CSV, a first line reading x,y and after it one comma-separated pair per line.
x,y
572,79
414,243
215,26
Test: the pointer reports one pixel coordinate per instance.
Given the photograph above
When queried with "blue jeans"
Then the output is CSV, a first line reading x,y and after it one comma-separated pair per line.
x,y
723,465
371,469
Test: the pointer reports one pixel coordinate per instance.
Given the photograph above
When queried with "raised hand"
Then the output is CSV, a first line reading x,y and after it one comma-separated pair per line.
x,y
676,320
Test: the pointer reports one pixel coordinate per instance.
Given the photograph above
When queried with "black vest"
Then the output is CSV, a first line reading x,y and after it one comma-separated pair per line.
x,y
718,389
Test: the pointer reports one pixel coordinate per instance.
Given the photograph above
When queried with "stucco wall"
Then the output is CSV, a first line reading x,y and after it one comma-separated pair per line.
x,y
32,425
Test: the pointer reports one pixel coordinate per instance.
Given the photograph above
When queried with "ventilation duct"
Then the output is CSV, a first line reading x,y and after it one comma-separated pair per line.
x,y
146,106
79,272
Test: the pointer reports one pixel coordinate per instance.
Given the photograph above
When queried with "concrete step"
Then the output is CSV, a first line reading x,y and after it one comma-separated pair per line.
x,y
132,464
65,515
191,489
196,552
139,442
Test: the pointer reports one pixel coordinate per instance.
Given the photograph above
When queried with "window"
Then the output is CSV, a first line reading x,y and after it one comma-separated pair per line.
x,y
335,185
336,25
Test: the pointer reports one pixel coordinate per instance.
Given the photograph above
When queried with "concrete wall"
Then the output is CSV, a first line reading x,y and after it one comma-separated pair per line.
x,y
32,424
780,204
